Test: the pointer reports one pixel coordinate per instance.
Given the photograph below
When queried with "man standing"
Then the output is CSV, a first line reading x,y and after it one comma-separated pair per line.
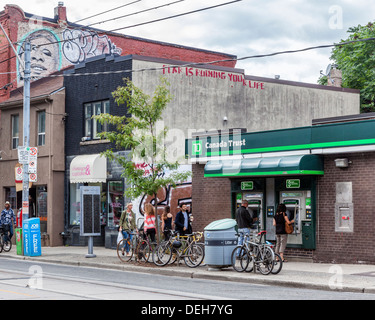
x,y
6,217
182,221
244,221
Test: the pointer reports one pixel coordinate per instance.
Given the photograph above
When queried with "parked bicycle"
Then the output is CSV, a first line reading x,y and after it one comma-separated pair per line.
x,y
5,242
179,247
140,247
254,255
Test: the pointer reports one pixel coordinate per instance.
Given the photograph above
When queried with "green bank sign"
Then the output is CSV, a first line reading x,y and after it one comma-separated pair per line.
x,y
341,135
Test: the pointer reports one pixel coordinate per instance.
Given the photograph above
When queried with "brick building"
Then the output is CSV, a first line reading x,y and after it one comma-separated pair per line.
x,y
322,173
71,44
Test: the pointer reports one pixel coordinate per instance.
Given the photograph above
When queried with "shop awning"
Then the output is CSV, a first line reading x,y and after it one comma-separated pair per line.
x,y
90,168
272,166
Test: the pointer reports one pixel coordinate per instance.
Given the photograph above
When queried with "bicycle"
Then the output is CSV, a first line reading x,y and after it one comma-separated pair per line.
x,y
140,247
5,242
126,243
258,255
180,247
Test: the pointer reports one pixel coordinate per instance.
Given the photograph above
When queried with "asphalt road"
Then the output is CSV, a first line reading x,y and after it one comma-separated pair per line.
x,y
27,280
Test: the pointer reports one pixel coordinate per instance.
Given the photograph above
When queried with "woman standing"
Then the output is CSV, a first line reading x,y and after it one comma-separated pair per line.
x,y
149,222
281,236
166,222
127,225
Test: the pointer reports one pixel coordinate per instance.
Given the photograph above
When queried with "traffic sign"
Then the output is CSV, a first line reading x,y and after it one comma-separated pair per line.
x,y
33,177
32,166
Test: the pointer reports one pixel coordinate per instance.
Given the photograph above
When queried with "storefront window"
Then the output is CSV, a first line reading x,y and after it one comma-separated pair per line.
x,y
11,196
115,202
75,203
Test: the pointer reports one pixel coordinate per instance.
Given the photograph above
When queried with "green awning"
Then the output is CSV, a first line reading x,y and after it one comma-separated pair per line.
x,y
273,166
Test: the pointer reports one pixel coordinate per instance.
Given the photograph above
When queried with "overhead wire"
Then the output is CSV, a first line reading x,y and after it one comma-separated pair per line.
x,y
135,13
104,12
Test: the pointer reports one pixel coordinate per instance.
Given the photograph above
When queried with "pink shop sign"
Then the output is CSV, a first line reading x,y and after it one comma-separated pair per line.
x,y
81,171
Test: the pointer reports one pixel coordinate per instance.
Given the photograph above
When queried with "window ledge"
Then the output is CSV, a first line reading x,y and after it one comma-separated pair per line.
x,y
91,142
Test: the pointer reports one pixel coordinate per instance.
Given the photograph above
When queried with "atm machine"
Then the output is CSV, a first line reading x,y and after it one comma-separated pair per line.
x,y
298,205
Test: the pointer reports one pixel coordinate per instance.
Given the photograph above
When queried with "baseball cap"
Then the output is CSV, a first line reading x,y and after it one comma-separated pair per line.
x,y
7,202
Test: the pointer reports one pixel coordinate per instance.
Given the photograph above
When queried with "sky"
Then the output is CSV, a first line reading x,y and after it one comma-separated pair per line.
x,y
243,28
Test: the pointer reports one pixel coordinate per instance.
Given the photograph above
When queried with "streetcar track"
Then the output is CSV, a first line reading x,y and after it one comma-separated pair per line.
x,y
114,285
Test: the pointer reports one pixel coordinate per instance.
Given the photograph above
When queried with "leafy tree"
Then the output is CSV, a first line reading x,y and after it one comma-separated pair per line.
x,y
357,63
143,133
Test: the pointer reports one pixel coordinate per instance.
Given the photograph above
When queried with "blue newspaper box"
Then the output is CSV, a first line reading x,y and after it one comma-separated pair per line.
x,y
32,245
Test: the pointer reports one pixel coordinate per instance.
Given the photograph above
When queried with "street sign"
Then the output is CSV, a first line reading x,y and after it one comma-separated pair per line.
x,y
33,177
293,183
32,166
23,155
19,174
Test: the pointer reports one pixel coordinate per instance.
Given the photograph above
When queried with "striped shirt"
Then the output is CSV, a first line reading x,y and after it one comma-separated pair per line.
x,y
149,222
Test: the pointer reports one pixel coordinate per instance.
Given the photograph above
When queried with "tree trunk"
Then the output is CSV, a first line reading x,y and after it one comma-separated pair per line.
x,y
157,220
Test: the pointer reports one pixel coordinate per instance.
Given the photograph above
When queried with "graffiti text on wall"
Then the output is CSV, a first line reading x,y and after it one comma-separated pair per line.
x,y
201,73
79,45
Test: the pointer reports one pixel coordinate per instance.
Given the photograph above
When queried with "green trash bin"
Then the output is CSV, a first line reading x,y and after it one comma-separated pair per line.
x,y
19,241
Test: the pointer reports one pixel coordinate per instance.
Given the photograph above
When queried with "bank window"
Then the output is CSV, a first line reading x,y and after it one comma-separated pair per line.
x,y
41,128
92,126
15,131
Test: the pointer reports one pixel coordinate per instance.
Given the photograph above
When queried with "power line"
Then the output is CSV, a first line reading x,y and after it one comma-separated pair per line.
x,y
144,23
98,14
175,16
135,13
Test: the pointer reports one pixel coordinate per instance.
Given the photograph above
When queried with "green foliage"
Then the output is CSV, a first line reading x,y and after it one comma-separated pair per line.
x,y
357,63
142,133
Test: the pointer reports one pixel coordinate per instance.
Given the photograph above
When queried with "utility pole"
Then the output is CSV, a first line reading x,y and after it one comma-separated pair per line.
x,y
26,128
26,66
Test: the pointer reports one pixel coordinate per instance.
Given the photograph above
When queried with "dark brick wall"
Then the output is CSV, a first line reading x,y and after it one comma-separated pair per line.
x,y
211,198
84,89
341,247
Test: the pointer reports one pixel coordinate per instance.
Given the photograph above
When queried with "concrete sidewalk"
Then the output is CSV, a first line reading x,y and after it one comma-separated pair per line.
x,y
343,277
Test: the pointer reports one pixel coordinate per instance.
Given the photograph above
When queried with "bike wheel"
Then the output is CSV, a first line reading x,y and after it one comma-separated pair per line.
x,y
194,256
266,261
278,265
121,252
240,259
1,243
143,251
7,246
162,254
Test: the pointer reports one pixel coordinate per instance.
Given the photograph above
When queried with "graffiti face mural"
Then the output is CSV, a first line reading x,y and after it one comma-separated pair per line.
x,y
45,53
49,53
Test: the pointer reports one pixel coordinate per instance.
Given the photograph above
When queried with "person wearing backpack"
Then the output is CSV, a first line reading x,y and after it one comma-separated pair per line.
x,y
244,221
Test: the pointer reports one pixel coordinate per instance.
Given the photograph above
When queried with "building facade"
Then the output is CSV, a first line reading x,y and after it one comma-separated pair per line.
x,y
47,119
322,173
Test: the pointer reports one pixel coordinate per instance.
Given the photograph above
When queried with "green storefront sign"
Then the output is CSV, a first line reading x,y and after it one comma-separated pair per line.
x,y
339,135
247,185
293,183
